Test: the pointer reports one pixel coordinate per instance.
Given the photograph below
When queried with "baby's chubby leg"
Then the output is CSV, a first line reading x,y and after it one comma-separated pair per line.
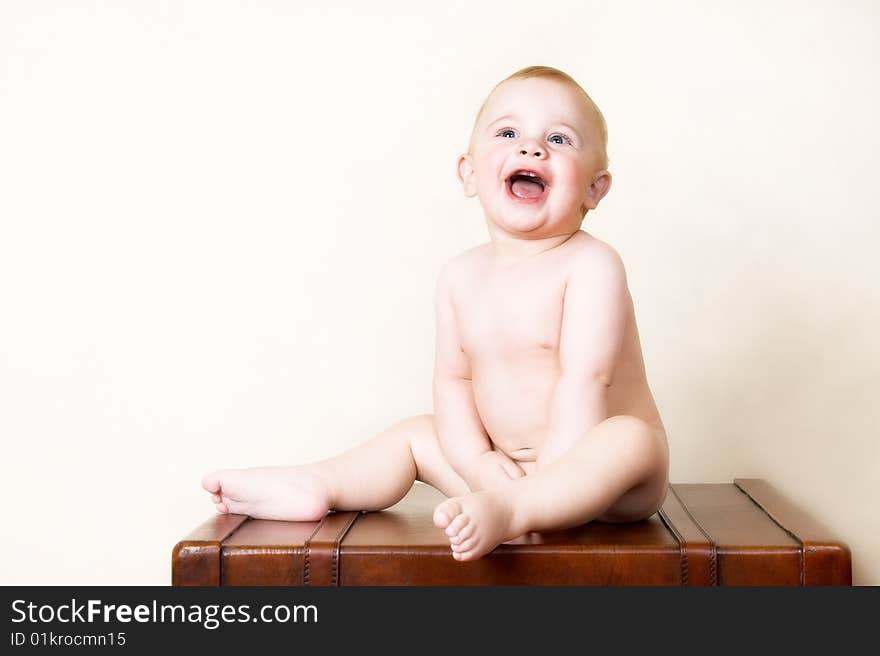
x,y
617,472
371,476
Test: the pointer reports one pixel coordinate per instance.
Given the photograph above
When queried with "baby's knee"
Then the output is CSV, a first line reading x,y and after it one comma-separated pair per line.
x,y
421,433
640,440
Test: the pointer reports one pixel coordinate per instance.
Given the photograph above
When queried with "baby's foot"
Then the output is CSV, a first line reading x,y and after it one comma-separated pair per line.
x,y
475,523
298,493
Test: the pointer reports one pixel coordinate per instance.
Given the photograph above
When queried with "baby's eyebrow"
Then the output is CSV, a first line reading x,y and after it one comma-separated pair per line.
x,y
501,118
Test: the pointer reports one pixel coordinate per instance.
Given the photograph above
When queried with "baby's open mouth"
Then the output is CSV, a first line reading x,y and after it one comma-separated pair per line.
x,y
526,184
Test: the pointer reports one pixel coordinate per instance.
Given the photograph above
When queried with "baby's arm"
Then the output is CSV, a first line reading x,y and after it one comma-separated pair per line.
x,y
593,321
463,438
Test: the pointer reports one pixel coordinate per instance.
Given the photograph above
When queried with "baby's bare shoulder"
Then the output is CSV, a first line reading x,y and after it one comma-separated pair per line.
x,y
588,255
461,268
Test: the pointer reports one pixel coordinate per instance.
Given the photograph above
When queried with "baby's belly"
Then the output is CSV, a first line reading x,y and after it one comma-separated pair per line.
x,y
513,399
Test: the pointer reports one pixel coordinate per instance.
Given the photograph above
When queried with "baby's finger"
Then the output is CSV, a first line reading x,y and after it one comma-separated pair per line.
x,y
512,469
508,465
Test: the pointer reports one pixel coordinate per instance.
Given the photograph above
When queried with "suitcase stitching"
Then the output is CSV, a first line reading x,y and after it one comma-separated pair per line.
x,y
308,550
337,545
681,545
713,571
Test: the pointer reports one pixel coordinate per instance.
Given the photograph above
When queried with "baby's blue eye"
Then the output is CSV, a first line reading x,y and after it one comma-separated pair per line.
x,y
556,138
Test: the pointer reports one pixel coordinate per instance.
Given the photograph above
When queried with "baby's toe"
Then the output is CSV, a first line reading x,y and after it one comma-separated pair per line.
x,y
457,524
470,549
466,532
235,507
211,482
465,555
221,507
465,545
463,534
216,498
446,512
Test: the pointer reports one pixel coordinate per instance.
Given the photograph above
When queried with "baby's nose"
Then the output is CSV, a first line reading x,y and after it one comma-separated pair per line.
x,y
531,149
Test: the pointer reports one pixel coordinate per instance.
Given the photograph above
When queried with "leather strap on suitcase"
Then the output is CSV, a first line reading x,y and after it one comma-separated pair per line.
x,y
824,560
699,559
321,566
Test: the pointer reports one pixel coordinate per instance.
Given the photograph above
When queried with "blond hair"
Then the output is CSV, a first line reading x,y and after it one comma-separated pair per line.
x,y
548,72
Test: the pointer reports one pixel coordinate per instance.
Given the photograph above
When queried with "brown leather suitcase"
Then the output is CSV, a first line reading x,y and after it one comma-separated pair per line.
x,y
705,534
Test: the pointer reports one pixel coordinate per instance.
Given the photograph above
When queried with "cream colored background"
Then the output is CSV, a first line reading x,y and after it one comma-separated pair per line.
x,y
220,229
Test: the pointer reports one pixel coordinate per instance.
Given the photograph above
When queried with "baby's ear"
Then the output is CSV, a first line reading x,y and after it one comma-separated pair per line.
x,y
597,190
466,175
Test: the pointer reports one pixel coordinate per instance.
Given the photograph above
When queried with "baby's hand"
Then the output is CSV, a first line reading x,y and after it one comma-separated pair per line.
x,y
491,469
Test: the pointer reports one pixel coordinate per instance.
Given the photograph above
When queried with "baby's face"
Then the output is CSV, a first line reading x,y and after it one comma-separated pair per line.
x,y
543,128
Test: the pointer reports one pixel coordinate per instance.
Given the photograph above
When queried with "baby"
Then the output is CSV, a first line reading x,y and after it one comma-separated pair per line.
x,y
543,418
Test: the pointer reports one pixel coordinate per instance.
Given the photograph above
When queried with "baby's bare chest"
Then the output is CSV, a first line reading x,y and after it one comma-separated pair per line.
x,y
507,315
